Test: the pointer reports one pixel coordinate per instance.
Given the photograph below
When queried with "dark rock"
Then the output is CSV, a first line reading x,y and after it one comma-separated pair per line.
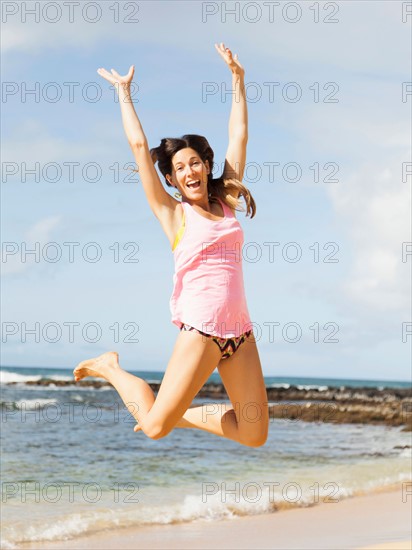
x,y
390,406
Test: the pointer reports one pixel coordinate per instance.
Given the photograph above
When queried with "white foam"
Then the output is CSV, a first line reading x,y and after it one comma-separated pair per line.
x,y
7,545
74,525
8,377
59,529
193,507
312,387
34,404
406,453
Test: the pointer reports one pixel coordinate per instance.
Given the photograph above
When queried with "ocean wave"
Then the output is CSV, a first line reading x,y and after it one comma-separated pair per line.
x,y
304,387
7,545
40,403
312,387
68,388
58,529
10,377
406,453
7,377
218,506
190,509
32,404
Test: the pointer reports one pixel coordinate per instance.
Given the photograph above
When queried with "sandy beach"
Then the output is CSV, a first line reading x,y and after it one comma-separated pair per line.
x,y
382,520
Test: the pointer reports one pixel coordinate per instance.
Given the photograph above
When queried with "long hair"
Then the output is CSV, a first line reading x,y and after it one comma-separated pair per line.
x,y
217,187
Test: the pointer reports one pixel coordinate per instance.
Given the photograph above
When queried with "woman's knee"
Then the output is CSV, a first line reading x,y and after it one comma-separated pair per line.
x,y
155,429
255,435
257,439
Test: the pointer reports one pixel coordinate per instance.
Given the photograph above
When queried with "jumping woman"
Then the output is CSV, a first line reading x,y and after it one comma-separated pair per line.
x,y
208,302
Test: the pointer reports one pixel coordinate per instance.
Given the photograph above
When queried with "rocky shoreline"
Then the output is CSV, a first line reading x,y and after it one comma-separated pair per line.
x,y
364,405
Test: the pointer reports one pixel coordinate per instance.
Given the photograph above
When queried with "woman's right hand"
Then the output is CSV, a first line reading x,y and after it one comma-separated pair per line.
x,y
116,79
232,61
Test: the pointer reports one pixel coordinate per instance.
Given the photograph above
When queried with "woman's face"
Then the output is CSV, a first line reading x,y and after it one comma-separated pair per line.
x,y
189,173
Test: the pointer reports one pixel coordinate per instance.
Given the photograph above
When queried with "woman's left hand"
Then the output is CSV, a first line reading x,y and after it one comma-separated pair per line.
x,y
231,61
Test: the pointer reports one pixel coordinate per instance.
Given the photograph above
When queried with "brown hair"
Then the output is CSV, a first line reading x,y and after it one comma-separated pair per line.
x,y
217,187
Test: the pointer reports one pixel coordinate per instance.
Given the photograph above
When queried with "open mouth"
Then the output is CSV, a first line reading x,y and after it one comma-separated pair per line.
x,y
194,185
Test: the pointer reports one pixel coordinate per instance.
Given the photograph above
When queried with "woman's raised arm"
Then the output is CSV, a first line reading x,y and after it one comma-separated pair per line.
x,y
238,122
156,194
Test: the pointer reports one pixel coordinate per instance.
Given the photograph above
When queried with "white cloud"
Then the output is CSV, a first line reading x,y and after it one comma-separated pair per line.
x,y
374,206
369,136
12,259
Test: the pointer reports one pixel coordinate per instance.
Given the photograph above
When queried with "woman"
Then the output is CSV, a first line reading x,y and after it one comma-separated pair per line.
x,y
208,302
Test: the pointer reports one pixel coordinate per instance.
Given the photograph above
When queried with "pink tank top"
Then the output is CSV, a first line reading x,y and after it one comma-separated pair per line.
x,y
208,291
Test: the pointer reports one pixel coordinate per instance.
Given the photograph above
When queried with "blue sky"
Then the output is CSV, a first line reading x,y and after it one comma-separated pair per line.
x,y
361,60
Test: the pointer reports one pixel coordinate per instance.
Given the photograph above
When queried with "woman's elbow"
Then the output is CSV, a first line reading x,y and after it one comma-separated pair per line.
x,y
138,145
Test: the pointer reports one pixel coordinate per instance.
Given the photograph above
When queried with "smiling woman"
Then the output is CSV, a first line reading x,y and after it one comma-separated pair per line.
x,y
189,159
208,303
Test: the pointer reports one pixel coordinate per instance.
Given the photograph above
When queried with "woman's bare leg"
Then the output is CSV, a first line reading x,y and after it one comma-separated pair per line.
x,y
192,362
243,380
189,367
136,394
215,418
246,418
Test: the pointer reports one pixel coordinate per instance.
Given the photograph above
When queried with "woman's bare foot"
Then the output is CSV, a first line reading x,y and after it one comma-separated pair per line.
x,y
182,423
98,366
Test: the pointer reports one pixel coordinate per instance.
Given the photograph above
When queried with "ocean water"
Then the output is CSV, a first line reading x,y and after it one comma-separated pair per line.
x,y
71,463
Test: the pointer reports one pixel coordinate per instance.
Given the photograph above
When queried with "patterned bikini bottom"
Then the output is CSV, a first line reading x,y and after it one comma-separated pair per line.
x,y
228,346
